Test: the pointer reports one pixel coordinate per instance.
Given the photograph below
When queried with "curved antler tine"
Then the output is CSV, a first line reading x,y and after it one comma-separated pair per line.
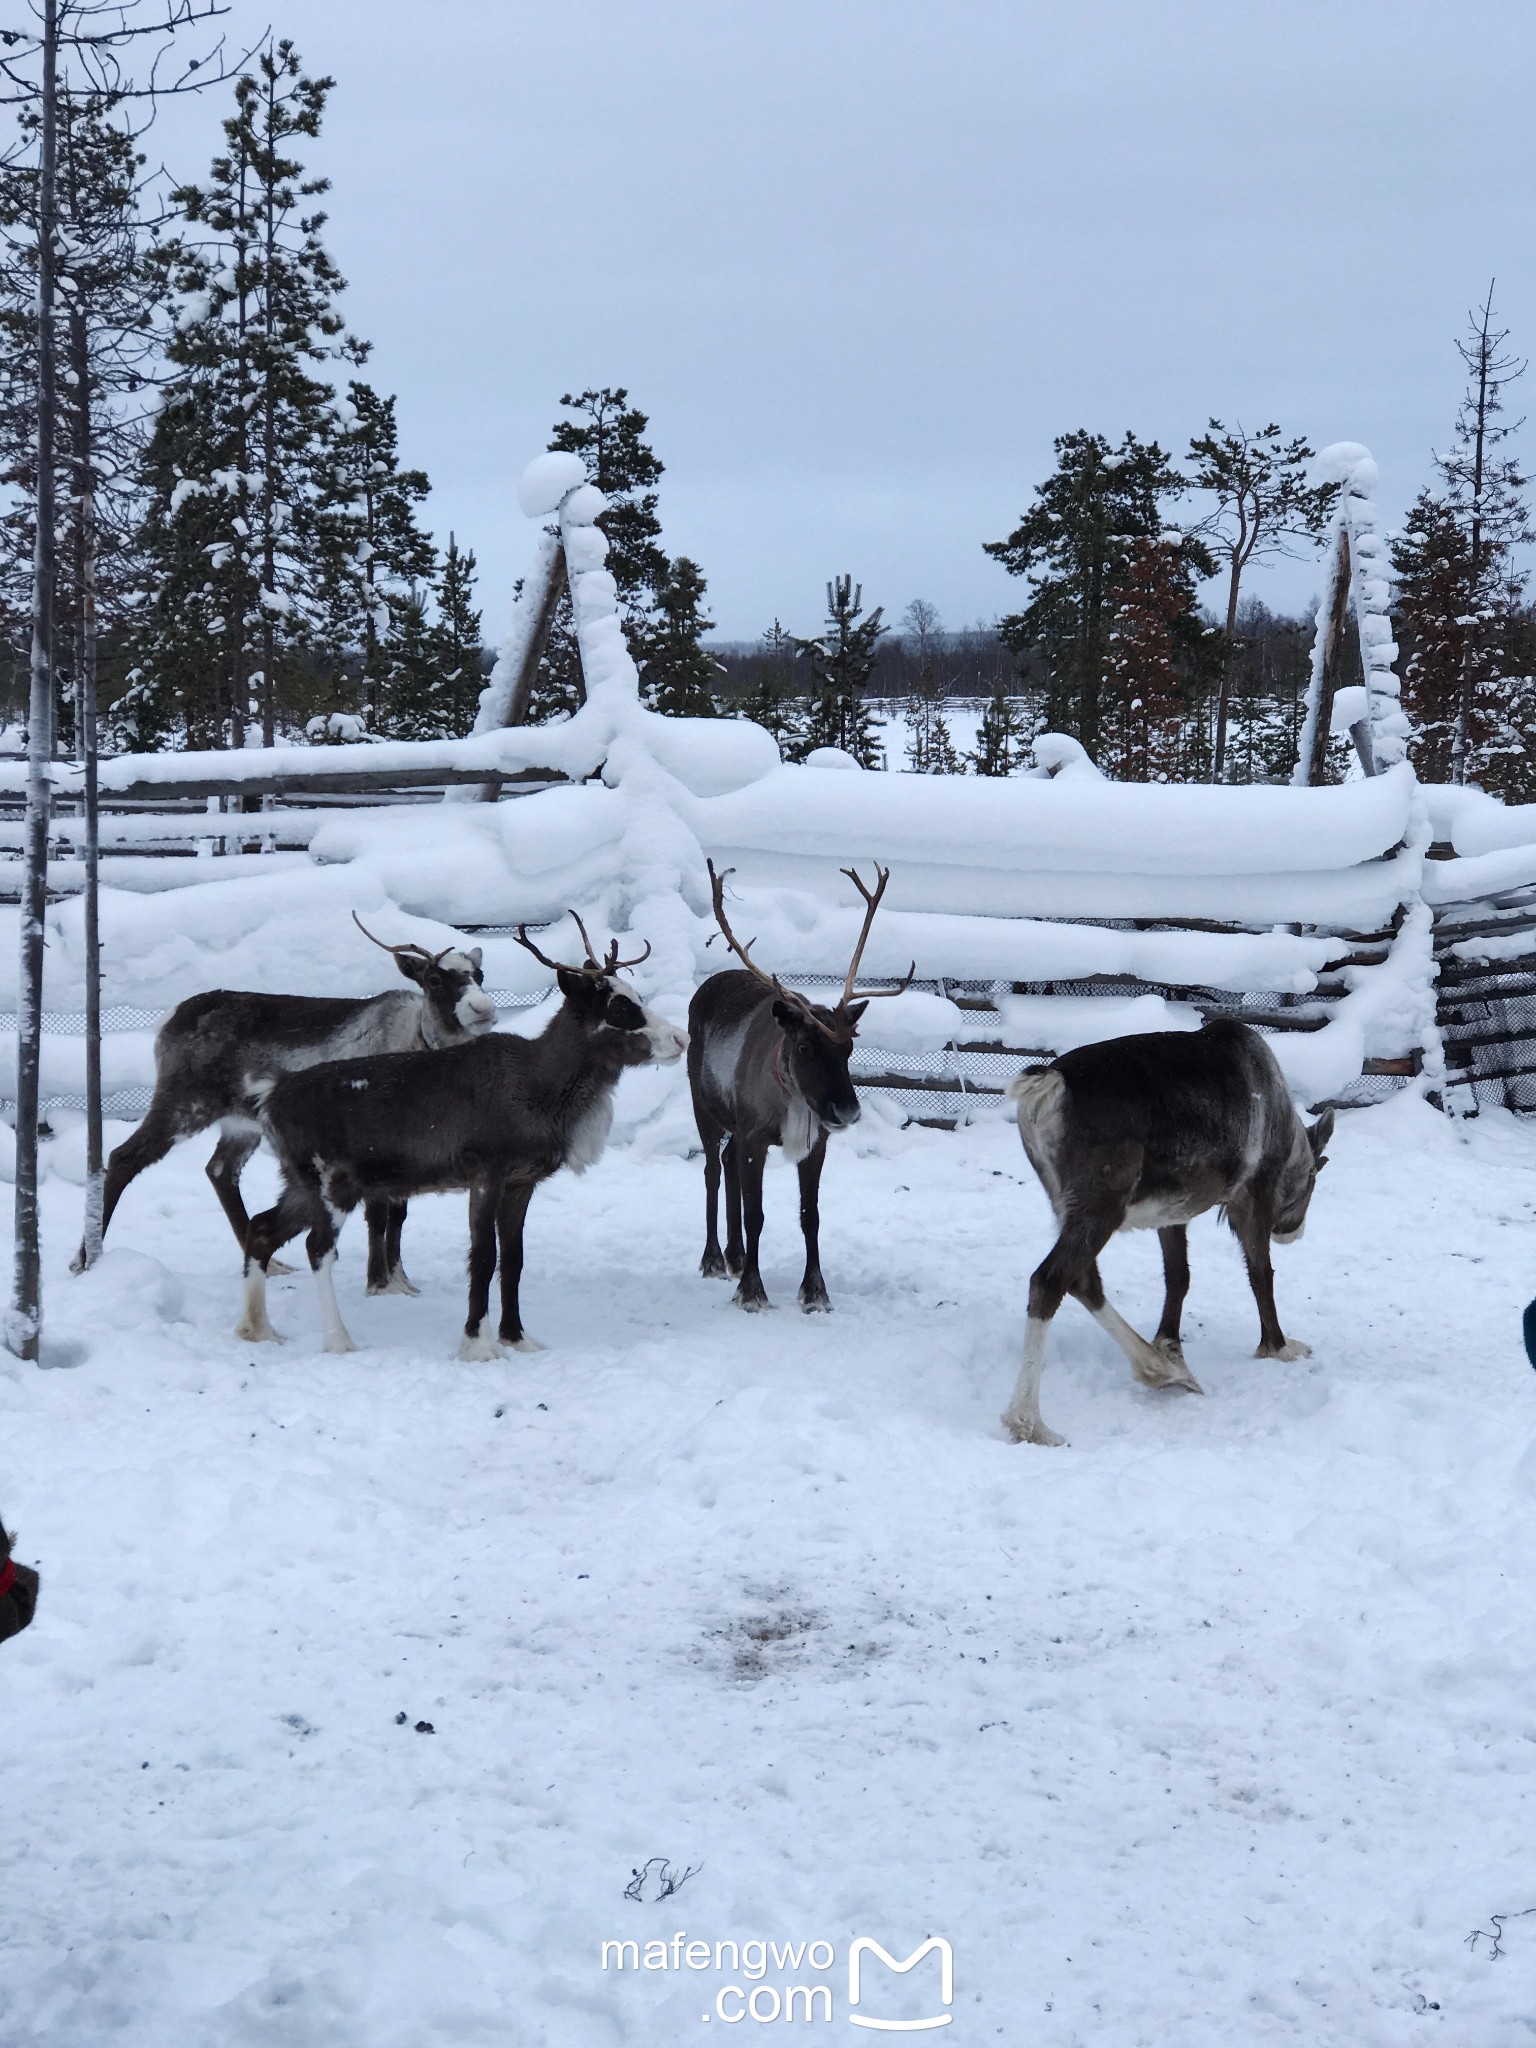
x,y
872,904
618,963
592,959
522,938
406,945
869,995
743,952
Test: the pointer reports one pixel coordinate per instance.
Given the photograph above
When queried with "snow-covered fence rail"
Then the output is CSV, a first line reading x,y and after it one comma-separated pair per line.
x,y
1482,888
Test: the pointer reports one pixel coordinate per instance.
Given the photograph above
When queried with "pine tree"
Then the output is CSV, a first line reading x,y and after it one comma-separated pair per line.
x,y
774,702
1002,738
1264,506
458,630
607,432
676,674
410,688
1460,588
842,660
1073,546
374,552
238,464
1155,609
930,748
106,304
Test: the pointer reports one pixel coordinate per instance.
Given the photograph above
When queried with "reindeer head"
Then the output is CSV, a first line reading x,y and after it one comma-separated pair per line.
x,y
607,1005
812,1061
1294,1193
452,986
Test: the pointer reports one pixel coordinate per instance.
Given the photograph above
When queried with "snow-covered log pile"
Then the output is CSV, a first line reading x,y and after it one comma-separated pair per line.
x,y
1041,912
1481,887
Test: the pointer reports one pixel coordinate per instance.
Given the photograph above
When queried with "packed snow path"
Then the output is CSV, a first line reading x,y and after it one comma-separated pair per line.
x,y
1215,1726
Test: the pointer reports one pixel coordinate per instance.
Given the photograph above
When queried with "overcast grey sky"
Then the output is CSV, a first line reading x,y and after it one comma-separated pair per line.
x,y
860,262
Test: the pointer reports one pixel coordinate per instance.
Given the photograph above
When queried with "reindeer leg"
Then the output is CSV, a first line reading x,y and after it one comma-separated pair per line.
x,y
1174,1241
712,1265
1047,1286
813,1289
151,1141
386,1275
478,1343
322,1259
295,1207
1153,1367
509,1231
750,1294
1251,1222
735,1256
230,1158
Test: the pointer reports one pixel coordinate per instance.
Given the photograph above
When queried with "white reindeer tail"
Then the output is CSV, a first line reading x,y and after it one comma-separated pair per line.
x,y
258,1087
1037,1093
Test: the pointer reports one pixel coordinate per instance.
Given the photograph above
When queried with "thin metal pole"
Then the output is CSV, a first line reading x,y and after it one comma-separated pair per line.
x,y
24,1330
85,485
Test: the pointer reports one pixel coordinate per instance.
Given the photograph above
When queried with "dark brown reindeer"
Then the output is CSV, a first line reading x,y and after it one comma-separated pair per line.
x,y
1146,1133
212,1047
770,1067
18,1590
495,1116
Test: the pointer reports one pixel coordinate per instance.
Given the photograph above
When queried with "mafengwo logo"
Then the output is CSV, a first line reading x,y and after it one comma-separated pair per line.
x,y
878,1993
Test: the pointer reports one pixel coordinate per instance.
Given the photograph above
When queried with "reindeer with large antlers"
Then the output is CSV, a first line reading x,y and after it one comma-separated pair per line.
x,y
770,1067
212,1048
495,1116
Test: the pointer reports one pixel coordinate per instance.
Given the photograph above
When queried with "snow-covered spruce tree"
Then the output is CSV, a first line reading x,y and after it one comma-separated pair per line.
x,y
1458,610
1265,506
374,554
1003,736
774,701
608,433
842,659
239,463
1072,546
1156,618
677,675
106,302
930,747
410,705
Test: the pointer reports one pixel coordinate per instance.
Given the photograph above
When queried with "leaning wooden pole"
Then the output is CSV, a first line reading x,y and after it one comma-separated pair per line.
x,y
24,1330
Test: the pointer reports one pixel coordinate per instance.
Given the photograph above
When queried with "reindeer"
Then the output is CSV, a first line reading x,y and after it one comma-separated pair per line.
x,y
770,1067
495,1116
212,1047
18,1590
1145,1133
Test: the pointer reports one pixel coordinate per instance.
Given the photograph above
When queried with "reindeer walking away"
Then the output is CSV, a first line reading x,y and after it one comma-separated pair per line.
x,y
767,1066
1146,1133
213,1047
495,1116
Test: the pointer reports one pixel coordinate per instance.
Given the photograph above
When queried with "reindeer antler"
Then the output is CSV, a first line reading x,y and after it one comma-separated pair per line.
x,y
743,952
408,946
872,902
592,965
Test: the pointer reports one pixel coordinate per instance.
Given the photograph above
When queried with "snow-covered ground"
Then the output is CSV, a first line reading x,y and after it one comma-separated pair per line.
x,y
1216,1726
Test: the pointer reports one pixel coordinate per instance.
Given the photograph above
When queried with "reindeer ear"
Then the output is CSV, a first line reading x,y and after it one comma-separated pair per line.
x,y
572,984
1319,1135
788,1017
474,956
412,966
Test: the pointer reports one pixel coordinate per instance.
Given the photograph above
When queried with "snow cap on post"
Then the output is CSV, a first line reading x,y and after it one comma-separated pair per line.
x,y
546,481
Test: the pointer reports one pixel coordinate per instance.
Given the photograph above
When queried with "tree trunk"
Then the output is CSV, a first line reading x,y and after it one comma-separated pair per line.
x,y
86,752
1224,686
24,1332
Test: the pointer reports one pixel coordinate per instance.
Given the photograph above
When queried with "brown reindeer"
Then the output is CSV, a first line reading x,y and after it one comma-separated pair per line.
x,y
767,1066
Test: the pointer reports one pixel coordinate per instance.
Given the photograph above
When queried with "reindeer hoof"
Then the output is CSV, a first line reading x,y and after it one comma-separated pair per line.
x,y
1029,1429
477,1350
754,1304
712,1267
815,1304
1176,1377
1290,1349
278,1269
258,1333
525,1344
340,1342
397,1283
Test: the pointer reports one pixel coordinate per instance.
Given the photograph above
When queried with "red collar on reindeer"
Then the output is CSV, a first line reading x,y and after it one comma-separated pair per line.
x,y
7,1577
